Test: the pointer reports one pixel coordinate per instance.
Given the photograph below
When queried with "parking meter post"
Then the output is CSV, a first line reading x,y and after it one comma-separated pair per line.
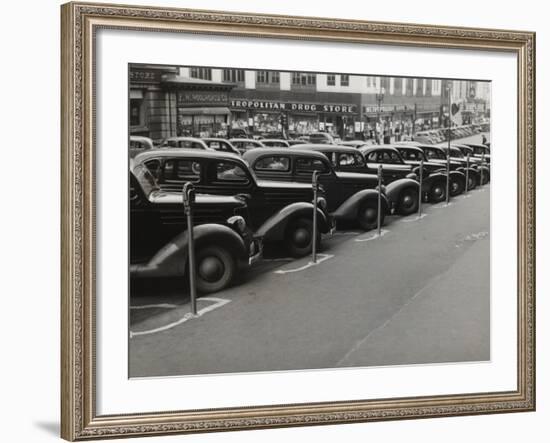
x,y
448,189
421,173
379,212
467,172
188,200
315,184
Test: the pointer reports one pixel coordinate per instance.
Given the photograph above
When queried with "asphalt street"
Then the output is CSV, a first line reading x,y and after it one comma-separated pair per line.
x,y
418,294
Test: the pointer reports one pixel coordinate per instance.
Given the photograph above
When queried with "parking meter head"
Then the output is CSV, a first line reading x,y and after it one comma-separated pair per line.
x,y
188,194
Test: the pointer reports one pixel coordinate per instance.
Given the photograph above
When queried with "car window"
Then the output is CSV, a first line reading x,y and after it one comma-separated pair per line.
x,y
273,163
434,153
305,165
409,154
187,144
351,160
154,167
182,170
230,172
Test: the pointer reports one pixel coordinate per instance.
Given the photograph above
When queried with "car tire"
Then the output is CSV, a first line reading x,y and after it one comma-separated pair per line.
x,y
472,182
485,179
367,215
437,192
457,187
407,203
215,269
298,236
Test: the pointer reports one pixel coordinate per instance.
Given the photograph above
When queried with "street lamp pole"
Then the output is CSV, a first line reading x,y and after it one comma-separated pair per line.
x,y
380,99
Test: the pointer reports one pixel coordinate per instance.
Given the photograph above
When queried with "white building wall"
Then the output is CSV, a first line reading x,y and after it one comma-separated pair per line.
x,y
217,75
285,80
250,79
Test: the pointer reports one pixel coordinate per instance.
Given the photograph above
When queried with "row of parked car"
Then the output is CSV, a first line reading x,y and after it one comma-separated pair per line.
x,y
434,136
246,199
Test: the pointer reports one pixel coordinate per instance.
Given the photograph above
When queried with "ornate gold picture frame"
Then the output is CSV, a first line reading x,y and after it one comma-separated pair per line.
x,y
80,22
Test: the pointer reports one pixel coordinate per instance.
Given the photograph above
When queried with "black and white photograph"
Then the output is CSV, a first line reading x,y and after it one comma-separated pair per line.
x,y
283,220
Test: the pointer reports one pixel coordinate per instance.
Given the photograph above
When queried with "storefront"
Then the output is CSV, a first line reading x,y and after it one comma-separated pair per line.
x,y
202,109
265,117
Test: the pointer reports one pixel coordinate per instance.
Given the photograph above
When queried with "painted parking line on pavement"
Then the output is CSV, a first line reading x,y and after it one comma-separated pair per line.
x,y
442,205
160,305
373,236
218,303
414,218
321,259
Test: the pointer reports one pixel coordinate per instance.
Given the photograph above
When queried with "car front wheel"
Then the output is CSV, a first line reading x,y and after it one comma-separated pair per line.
x,y
457,187
408,201
215,269
367,216
437,192
298,237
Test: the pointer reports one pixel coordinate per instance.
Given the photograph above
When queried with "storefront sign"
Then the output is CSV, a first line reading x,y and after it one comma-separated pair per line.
x,y
373,109
294,106
145,75
201,98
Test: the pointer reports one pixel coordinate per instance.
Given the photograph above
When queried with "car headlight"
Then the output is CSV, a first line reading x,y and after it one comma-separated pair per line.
x,y
238,223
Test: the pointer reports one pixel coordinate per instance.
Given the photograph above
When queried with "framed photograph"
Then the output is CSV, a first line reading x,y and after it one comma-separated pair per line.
x,y
277,221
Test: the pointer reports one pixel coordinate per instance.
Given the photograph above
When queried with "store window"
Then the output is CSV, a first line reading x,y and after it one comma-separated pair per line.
x,y
201,73
344,80
331,80
233,75
137,109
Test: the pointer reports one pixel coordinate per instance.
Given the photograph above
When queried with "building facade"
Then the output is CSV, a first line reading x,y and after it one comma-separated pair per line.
x,y
200,101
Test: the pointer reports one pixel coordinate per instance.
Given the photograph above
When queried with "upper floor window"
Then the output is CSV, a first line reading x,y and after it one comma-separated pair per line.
x,y
436,87
331,80
409,86
262,76
385,83
420,86
371,82
233,75
202,73
275,77
428,87
304,79
344,80
398,86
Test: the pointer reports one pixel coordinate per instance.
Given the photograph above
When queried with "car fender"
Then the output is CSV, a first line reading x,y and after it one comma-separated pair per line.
x,y
394,188
434,177
171,260
273,229
458,176
348,209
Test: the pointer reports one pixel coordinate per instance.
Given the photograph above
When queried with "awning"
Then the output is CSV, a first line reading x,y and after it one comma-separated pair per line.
x,y
204,111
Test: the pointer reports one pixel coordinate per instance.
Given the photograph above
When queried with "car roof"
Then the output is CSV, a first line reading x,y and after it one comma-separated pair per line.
x,y
184,153
244,140
368,149
409,147
181,138
253,154
319,147
273,140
